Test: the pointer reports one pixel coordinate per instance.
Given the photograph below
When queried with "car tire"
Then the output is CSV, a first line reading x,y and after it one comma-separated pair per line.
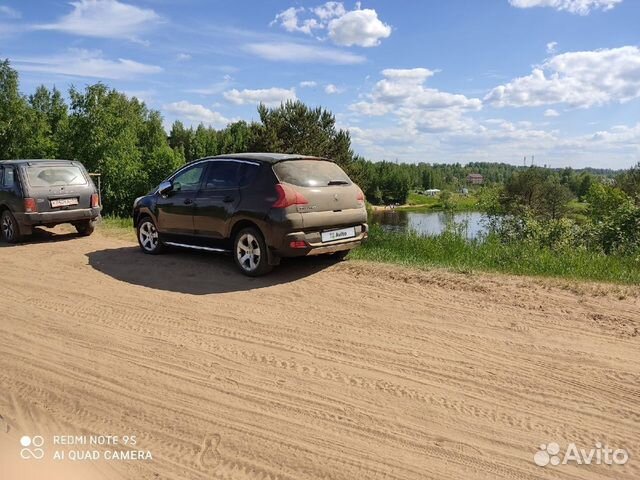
x,y
9,228
85,228
148,236
340,256
250,252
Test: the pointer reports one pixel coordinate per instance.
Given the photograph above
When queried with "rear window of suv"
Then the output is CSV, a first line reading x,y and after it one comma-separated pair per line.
x,y
311,173
52,175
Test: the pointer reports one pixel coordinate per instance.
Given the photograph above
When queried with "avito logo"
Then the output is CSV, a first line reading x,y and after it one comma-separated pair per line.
x,y
549,454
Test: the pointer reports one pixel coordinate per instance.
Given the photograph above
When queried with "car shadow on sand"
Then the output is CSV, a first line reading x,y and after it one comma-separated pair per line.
x,y
41,235
195,272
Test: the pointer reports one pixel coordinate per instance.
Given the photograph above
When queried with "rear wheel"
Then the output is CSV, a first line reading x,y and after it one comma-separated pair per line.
x,y
85,228
250,252
9,230
148,237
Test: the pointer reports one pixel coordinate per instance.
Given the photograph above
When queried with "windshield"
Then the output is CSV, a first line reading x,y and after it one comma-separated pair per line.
x,y
311,173
52,175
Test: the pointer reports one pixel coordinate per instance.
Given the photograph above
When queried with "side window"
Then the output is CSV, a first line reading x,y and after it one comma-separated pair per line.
x,y
249,174
9,177
1,175
223,174
190,178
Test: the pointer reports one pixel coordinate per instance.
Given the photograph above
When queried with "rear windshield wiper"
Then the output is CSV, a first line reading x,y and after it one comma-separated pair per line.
x,y
338,182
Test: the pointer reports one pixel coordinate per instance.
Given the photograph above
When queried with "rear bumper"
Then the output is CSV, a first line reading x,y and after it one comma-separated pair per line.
x,y
56,218
314,245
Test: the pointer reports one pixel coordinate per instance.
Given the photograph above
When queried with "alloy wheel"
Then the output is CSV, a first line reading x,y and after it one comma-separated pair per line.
x,y
7,228
148,236
248,252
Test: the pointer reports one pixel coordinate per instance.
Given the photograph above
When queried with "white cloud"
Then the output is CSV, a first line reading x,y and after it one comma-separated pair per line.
x,y
268,96
550,112
183,57
359,27
332,89
581,7
8,12
85,63
578,79
402,95
552,47
329,10
297,52
288,19
404,88
621,135
195,113
499,140
105,19
308,84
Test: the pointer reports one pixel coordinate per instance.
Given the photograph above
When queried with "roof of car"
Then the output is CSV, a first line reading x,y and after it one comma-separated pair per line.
x,y
22,161
268,157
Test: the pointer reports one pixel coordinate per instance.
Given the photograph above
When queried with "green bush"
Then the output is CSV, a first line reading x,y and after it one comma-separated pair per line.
x,y
452,250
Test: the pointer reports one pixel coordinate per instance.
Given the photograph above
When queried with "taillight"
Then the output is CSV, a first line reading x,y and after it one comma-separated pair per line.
x,y
360,196
287,196
30,205
298,244
95,200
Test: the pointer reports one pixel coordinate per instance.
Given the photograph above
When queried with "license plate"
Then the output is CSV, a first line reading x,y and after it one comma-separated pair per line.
x,y
64,202
333,235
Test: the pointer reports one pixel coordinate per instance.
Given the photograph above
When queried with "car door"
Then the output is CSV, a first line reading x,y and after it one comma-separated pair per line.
x,y
10,193
218,198
175,209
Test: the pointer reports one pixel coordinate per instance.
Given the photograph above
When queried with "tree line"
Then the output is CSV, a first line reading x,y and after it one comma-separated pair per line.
x,y
124,141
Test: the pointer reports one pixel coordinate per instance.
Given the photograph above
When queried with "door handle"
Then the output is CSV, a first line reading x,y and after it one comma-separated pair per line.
x,y
228,199
188,201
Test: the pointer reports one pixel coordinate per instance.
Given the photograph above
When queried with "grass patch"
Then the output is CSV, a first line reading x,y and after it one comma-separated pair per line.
x,y
120,227
452,251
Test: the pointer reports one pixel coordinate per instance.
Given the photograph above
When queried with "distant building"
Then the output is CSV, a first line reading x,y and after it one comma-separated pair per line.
x,y
432,192
475,179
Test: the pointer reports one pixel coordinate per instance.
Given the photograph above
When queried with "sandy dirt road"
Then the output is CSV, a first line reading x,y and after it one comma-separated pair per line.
x,y
320,371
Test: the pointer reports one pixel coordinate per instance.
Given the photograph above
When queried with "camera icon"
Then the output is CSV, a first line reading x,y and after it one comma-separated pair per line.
x,y
32,447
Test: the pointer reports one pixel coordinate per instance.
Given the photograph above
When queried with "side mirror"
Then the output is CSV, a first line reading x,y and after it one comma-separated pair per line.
x,y
165,188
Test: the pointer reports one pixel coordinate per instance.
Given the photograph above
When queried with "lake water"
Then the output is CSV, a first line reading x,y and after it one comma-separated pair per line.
x,y
430,223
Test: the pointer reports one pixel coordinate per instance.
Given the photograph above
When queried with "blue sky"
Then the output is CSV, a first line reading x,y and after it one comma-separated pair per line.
x,y
435,81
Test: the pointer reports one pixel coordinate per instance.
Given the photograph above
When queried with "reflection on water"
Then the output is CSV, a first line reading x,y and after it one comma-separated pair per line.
x,y
473,224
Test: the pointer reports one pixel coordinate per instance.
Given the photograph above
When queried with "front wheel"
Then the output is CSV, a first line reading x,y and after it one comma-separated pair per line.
x,y
85,228
148,237
250,252
9,229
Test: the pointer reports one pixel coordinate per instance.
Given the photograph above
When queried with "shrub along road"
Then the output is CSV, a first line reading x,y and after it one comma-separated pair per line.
x,y
321,370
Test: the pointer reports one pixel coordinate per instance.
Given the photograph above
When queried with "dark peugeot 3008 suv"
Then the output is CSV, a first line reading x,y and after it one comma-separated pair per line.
x,y
259,206
45,193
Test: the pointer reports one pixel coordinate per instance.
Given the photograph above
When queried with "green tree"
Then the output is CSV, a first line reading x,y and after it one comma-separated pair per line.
x,y
553,199
122,140
15,118
446,200
158,158
523,190
293,127
49,123
629,182
604,200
